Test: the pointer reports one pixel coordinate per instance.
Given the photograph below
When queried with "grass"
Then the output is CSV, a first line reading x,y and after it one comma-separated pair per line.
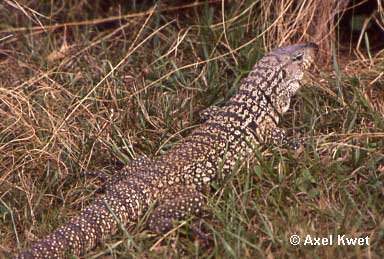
x,y
95,94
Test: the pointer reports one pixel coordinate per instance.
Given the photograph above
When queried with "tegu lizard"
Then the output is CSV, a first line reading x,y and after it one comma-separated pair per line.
x,y
174,181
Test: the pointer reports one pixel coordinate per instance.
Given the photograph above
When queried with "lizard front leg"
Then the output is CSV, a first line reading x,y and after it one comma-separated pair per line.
x,y
270,134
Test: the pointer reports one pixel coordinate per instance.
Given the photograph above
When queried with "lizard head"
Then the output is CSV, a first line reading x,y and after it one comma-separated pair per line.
x,y
294,61
291,63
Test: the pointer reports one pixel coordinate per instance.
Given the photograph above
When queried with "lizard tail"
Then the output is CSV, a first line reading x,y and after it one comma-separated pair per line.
x,y
100,219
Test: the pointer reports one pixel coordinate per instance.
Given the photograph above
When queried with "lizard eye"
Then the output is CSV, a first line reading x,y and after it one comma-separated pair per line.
x,y
298,57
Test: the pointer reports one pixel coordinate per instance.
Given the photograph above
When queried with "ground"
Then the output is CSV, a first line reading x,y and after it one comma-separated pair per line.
x,y
80,96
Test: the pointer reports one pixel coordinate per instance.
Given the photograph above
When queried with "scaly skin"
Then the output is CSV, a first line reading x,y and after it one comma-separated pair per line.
x,y
175,180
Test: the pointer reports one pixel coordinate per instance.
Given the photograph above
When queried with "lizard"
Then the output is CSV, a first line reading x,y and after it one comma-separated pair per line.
x,y
175,180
